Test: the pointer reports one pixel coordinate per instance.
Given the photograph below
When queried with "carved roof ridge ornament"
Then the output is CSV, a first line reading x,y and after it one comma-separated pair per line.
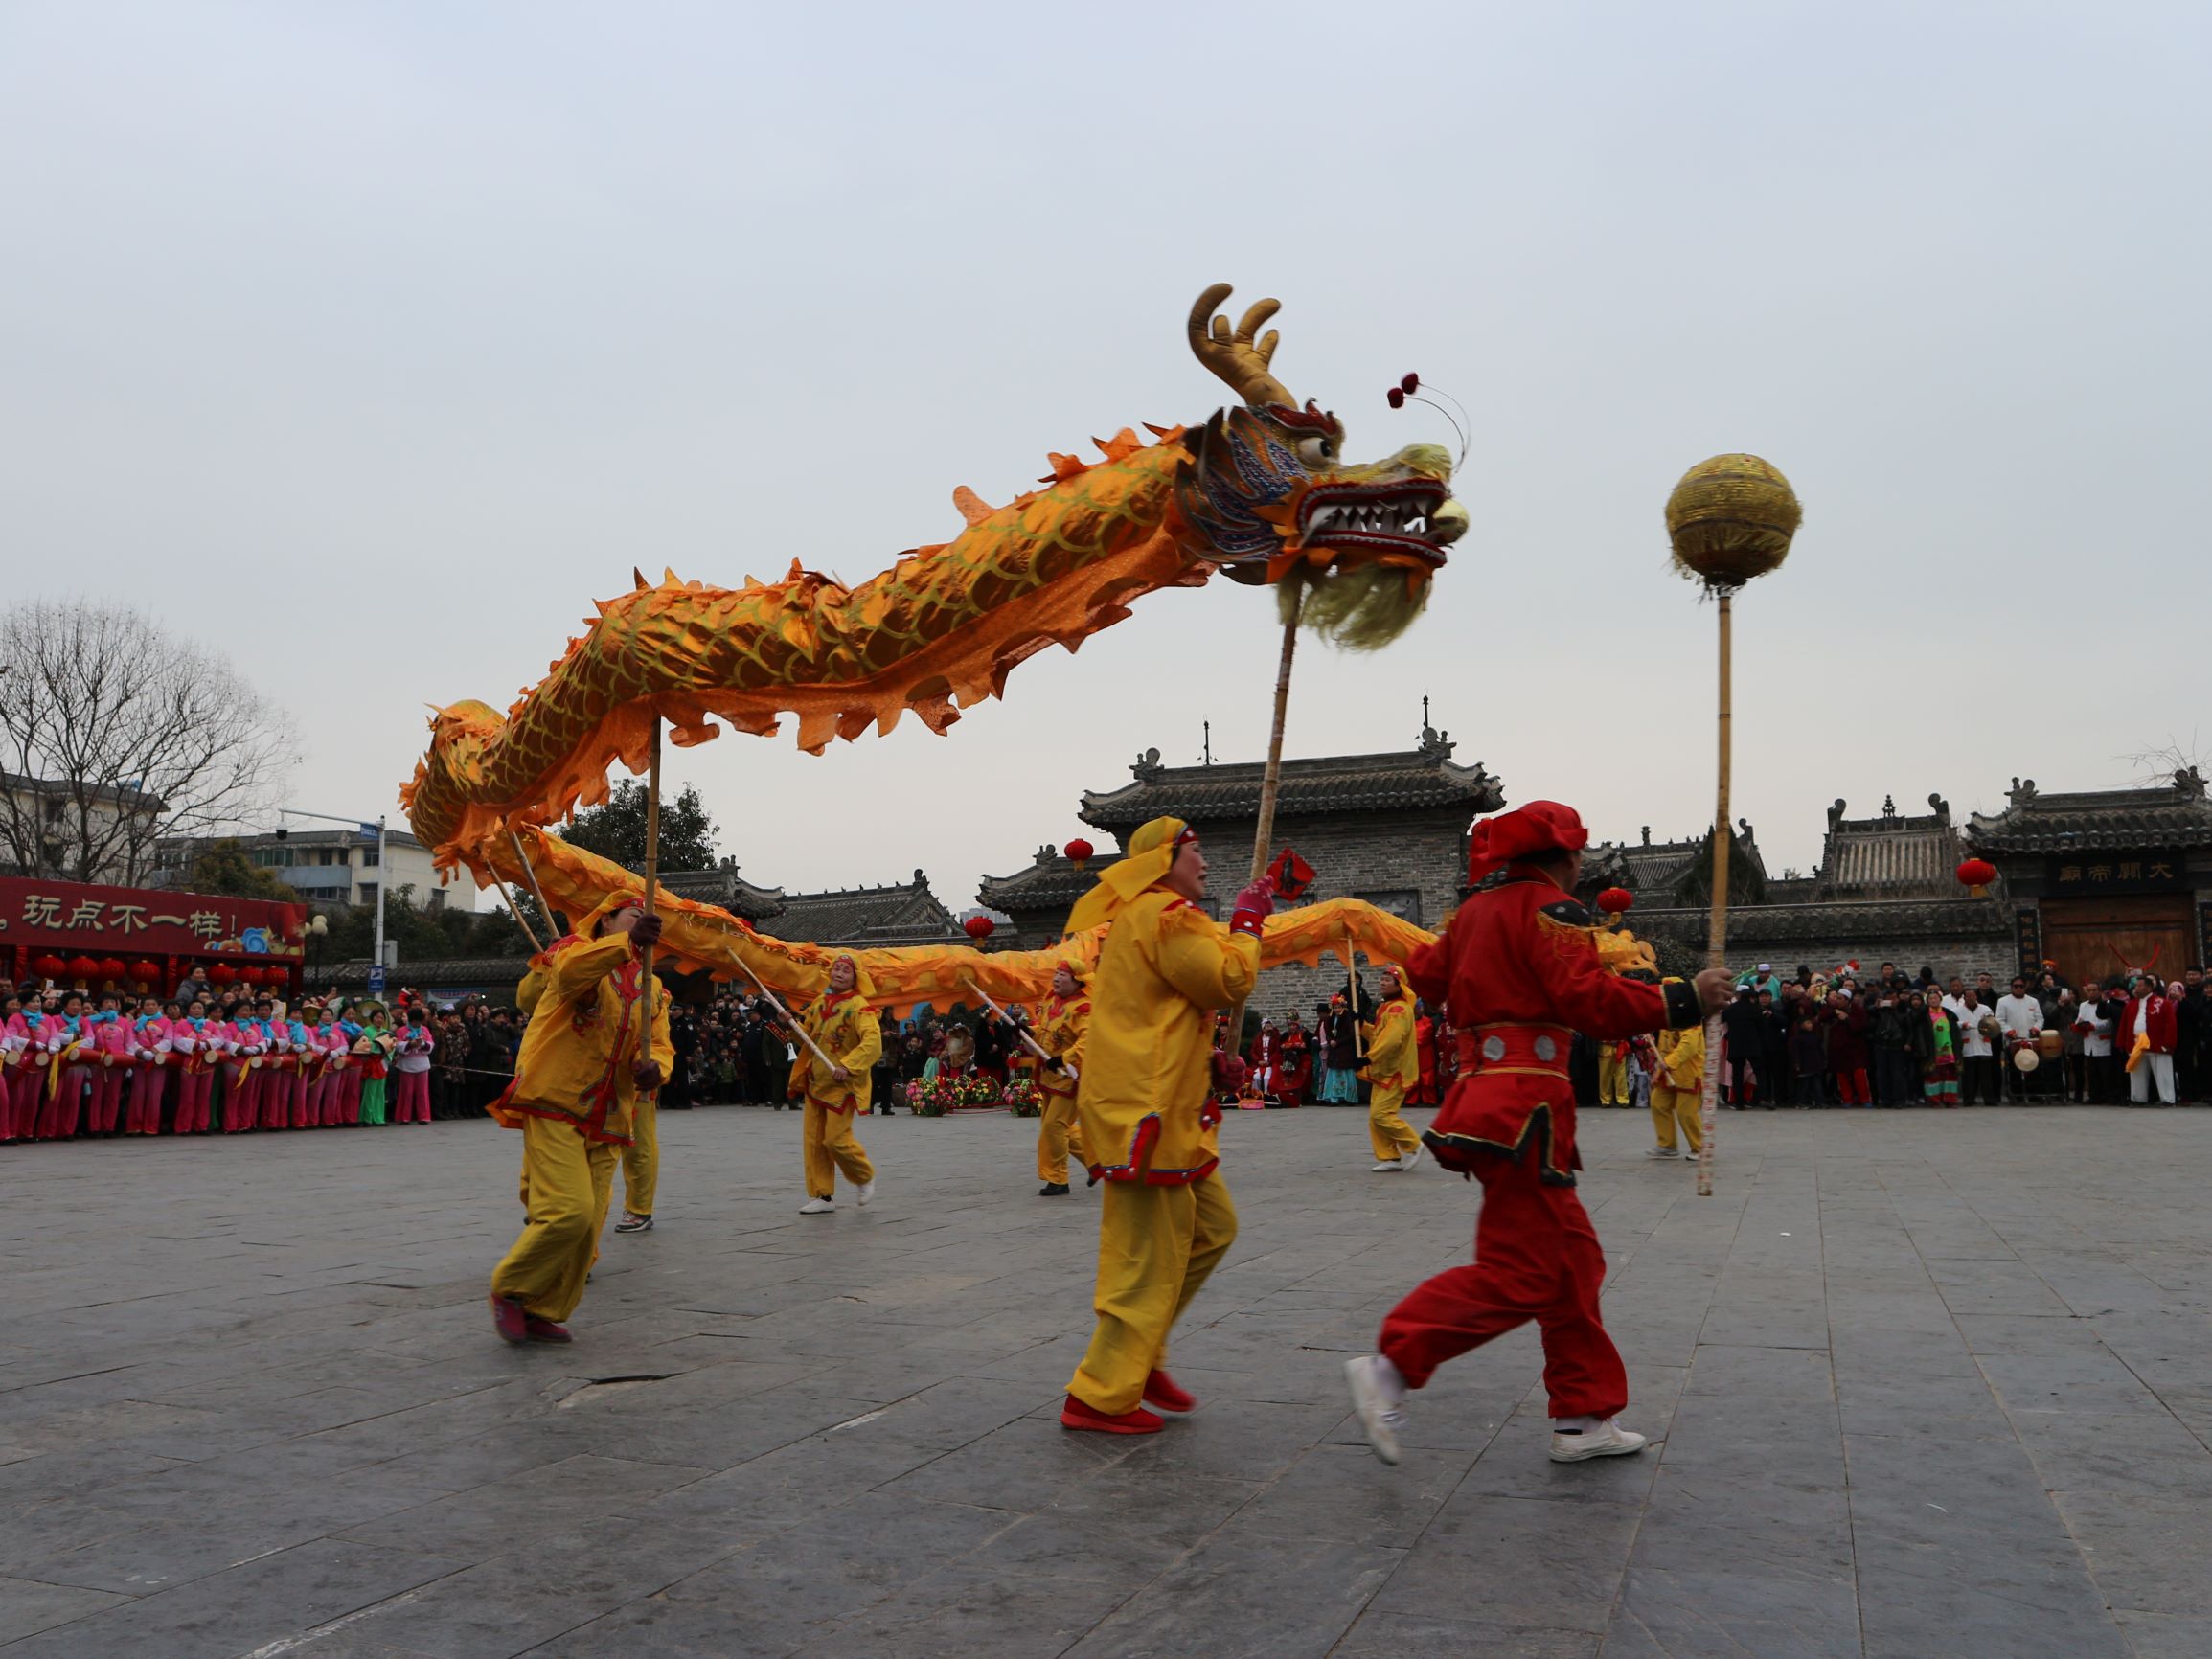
x,y
2021,794
2189,784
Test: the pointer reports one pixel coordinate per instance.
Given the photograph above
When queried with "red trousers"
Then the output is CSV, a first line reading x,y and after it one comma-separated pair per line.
x,y
412,1098
146,1085
64,1107
19,1102
193,1089
107,1097
1536,1257
1851,1087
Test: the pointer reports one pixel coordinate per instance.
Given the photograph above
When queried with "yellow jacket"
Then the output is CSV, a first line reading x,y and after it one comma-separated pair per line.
x,y
848,1030
1682,1057
583,1038
1393,1060
1148,1056
1060,1034
530,987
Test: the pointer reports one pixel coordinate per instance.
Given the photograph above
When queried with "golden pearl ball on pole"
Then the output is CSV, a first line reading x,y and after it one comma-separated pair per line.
x,y
1731,518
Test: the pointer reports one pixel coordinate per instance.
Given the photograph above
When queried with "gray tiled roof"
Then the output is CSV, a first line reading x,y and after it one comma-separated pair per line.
x,y
1052,881
1891,856
903,913
2175,815
1403,780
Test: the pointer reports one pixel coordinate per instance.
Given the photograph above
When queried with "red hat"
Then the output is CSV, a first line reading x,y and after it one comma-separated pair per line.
x,y
1540,827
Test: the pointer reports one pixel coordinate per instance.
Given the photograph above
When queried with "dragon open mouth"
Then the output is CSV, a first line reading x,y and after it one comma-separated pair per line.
x,y
1402,517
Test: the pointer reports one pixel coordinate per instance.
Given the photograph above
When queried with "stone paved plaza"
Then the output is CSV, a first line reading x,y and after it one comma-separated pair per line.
x,y
1930,1385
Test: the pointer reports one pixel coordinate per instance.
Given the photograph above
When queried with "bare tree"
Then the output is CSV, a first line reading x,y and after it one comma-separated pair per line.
x,y
2162,764
117,735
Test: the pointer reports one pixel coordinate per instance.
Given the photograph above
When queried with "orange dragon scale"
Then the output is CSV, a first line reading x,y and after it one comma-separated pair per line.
x,y
1258,490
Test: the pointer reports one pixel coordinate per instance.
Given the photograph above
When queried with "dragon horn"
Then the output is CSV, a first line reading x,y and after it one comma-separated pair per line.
x,y
1236,357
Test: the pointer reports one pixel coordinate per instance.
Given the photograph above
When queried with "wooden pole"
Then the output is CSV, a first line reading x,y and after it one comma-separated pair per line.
x,y
1717,925
652,885
535,947
1029,1042
1270,779
529,873
789,1018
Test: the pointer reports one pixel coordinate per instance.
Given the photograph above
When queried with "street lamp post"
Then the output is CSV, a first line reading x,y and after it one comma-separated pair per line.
x,y
384,870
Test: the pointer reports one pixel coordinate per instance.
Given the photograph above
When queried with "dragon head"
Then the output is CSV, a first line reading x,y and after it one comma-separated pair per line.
x,y
1265,488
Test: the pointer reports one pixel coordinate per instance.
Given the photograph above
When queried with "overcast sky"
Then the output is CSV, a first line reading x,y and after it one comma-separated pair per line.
x,y
373,342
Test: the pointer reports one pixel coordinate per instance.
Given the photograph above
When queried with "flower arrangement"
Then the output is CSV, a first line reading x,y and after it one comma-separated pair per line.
x,y
978,1091
1024,1099
931,1097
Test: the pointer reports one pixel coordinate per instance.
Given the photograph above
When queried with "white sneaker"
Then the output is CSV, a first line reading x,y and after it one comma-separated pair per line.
x,y
818,1207
1409,1159
1609,1440
863,1192
1660,1152
1378,1400
1388,1167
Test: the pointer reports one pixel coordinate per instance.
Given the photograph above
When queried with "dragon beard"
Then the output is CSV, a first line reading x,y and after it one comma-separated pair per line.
x,y
1363,608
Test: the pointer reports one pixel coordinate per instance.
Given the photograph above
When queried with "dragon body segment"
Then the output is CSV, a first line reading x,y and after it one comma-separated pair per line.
x,y
1259,490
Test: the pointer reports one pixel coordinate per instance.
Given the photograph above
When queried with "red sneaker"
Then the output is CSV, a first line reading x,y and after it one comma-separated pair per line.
x,y
510,1319
1077,1414
545,1330
1162,1393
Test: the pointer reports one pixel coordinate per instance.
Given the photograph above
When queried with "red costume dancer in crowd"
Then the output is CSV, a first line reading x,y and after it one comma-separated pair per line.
x,y
196,1042
107,1041
1519,970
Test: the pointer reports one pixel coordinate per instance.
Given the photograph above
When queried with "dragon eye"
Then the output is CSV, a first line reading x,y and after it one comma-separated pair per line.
x,y
1316,450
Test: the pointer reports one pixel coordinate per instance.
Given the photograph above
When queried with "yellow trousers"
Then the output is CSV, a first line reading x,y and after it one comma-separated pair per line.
x,y
641,1158
832,1146
1156,1245
566,1181
1387,1129
1669,1106
1613,1077
1057,1134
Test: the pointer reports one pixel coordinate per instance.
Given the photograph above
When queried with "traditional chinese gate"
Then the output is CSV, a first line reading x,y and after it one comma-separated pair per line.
x,y
2098,937
109,937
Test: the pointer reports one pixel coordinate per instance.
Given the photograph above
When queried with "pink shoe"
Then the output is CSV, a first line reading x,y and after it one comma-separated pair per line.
x,y
1161,1392
1075,1413
510,1319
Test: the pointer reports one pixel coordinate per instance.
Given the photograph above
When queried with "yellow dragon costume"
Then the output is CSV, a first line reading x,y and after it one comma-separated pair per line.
x,y
1258,491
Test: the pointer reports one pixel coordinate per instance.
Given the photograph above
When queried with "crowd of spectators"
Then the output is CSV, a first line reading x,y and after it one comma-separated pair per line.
x,y
214,1060
1888,1038
1897,1039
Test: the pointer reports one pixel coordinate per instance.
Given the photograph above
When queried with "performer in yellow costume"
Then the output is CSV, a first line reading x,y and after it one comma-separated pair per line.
x,y
1393,1069
1678,1091
844,1027
641,1159
1060,1034
1145,1103
576,1083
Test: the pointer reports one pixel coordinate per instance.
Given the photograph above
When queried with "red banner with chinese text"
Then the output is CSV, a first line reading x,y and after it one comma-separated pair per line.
x,y
68,918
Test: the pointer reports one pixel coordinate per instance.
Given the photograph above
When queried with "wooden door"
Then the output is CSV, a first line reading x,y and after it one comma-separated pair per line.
x,y
2099,938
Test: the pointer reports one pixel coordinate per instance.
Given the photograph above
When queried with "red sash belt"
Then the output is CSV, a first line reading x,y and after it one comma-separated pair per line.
x,y
1511,1047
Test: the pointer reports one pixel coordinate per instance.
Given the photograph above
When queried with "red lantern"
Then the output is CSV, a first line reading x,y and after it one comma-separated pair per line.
x,y
48,966
111,967
1975,875
1079,850
1615,900
146,971
82,967
222,973
979,928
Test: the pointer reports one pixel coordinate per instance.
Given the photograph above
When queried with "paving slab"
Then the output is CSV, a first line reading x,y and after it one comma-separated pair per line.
x,y
1919,1385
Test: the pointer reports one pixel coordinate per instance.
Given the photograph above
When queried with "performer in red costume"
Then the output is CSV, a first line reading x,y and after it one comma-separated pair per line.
x,y
1519,970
